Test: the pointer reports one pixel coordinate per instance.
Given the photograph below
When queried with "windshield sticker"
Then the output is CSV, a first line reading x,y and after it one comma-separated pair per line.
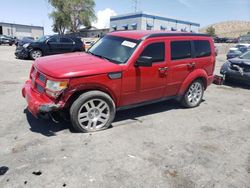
x,y
128,44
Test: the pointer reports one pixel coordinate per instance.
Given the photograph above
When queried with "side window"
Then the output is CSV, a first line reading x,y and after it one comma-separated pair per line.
x,y
202,48
156,51
53,40
66,40
180,50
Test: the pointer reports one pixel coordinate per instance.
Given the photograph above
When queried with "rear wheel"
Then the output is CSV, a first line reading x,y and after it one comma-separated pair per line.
x,y
194,94
92,111
34,54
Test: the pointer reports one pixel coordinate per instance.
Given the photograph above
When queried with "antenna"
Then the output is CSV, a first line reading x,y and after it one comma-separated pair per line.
x,y
135,4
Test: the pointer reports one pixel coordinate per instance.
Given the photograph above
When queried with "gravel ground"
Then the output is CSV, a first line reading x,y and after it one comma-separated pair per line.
x,y
160,145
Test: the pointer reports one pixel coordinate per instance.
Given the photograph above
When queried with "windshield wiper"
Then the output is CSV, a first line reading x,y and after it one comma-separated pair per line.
x,y
100,56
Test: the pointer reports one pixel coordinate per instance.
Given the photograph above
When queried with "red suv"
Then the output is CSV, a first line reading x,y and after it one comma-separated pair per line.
x,y
124,69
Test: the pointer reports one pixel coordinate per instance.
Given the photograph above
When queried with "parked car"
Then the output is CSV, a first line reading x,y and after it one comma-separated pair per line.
x,y
88,44
237,68
124,69
243,47
49,45
220,40
233,52
244,39
6,40
232,40
24,40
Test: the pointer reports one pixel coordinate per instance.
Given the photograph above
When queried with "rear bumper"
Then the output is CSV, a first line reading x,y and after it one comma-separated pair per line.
x,y
39,104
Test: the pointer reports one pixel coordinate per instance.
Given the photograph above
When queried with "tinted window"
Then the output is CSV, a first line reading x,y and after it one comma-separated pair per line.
x,y
156,51
202,48
180,50
53,40
65,40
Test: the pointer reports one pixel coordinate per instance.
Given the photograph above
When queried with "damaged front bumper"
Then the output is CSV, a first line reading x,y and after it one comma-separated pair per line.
x,y
39,104
235,72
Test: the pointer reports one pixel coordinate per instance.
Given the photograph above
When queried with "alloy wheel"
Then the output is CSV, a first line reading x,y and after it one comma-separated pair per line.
x,y
93,114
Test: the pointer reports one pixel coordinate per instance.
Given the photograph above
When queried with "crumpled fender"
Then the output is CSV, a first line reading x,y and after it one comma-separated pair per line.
x,y
198,73
90,86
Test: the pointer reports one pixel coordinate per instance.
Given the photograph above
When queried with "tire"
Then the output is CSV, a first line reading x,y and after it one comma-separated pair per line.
x,y
194,94
34,54
92,111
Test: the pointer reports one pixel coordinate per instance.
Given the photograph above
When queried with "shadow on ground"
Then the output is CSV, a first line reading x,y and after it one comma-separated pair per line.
x,y
45,127
237,84
49,128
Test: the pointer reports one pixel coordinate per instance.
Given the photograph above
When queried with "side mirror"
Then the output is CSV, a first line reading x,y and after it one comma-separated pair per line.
x,y
47,42
144,61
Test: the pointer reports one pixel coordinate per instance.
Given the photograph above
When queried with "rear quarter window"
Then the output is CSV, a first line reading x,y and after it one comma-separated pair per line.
x,y
202,48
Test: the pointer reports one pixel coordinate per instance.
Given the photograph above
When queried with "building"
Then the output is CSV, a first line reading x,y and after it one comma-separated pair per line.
x,y
143,21
19,30
93,32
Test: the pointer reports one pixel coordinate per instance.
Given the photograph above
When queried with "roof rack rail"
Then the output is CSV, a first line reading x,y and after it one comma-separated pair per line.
x,y
173,34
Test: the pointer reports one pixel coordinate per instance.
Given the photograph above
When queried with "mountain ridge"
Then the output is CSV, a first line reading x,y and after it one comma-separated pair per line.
x,y
234,28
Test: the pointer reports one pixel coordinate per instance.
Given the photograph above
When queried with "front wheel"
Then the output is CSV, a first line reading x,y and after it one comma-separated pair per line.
x,y
34,54
92,111
194,94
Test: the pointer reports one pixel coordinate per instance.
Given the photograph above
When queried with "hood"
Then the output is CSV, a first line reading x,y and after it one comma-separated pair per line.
x,y
239,61
74,65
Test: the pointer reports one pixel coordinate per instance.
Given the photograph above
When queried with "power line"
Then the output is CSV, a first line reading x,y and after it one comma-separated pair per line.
x,y
135,5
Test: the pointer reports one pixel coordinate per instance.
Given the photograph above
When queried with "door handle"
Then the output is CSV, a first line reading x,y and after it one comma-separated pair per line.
x,y
163,69
191,65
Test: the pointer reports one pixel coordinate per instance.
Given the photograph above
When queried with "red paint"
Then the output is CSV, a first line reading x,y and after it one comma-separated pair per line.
x,y
138,84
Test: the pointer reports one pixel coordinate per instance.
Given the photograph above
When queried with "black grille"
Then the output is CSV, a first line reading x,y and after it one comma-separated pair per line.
x,y
42,78
39,88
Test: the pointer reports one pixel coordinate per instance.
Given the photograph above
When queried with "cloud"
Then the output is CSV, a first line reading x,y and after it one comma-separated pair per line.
x,y
103,18
185,3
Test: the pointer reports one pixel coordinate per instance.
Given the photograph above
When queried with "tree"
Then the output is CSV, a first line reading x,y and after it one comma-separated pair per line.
x,y
72,14
211,31
248,32
61,22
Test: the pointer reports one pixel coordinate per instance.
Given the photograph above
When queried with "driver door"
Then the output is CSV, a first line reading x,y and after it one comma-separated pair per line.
x,y
141,84
53,46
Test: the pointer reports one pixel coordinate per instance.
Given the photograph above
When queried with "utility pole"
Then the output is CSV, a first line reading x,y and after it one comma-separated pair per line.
x,y
135,5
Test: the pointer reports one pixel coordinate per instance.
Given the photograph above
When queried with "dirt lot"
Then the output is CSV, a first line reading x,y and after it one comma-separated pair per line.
x,y
160,145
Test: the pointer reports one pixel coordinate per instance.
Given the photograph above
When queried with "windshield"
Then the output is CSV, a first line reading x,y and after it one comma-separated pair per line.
x,y
115,49
42,39
245,55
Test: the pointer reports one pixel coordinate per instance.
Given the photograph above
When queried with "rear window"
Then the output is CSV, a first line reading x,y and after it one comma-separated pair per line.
x,y
180,50
156,51
202,48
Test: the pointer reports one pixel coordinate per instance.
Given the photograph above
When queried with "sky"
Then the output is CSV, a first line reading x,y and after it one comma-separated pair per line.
x,y
205,12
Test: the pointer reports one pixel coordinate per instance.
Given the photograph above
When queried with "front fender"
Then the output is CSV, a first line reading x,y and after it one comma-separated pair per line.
x,y
198,73
75,92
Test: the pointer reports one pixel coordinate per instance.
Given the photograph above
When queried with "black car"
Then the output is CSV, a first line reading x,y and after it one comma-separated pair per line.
x,y
237,68
6,40
49,45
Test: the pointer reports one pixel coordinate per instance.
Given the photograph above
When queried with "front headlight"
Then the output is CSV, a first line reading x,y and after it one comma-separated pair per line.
x,y
56,86
26,45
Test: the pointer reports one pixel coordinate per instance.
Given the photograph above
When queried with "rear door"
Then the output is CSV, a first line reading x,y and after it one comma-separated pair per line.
x,y
67,44
180,64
